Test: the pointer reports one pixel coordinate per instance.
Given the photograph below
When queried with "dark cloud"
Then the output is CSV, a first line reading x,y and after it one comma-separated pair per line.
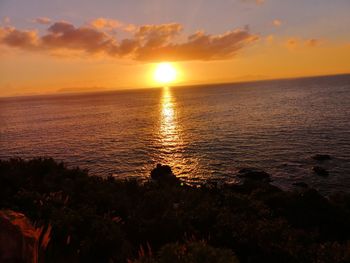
x,y
65,36
148,42
127,46
17,38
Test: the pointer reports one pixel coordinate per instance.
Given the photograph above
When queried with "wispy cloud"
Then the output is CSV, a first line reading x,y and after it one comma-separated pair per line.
x,y
147,42
111,24
42,20
294,43
312,42
6,20
277,22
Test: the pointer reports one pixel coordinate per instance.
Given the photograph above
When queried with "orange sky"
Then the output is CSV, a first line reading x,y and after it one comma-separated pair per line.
x,y
47,55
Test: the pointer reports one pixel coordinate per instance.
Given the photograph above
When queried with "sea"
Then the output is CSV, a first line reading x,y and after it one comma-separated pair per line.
x,y
206,133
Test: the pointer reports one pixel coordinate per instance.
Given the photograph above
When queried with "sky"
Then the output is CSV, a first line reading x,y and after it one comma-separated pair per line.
x,y
84,45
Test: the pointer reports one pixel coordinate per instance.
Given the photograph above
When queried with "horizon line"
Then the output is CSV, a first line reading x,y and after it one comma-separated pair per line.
x,y
106,90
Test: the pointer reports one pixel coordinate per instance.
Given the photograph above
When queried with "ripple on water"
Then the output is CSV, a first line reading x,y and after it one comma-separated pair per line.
x,y
205,133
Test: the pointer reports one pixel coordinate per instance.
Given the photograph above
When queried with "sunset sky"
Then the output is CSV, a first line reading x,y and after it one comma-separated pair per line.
x,y
80,45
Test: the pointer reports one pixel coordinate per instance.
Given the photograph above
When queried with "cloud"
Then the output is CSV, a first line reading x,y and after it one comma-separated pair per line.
x,y
66,36
294,43
200,46
42,20
269,39
111,24
127,47
277,22
105,23
312,42
153,36
6,20
146,43
12,37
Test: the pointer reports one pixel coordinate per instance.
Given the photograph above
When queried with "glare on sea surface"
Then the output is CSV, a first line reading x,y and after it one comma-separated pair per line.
x,y
165,73
169,130
170,133
171,137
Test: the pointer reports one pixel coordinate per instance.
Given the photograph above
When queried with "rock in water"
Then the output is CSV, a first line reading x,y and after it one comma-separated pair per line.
x,y
164,174
321,157
254,174
320,171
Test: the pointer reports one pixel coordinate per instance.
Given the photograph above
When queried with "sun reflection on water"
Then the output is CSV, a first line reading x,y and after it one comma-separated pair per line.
x,y
172,139
169,130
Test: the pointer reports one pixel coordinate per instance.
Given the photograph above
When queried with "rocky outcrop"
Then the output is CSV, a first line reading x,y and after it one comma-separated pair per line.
x,y
254,174
164,175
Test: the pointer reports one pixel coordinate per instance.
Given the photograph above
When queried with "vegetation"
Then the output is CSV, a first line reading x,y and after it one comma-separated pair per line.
x,y
106,220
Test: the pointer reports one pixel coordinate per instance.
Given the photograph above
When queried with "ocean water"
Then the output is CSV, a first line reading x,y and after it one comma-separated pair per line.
x,y
205,133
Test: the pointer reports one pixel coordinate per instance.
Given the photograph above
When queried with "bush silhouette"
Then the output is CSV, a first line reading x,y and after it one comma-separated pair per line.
x,y
97,219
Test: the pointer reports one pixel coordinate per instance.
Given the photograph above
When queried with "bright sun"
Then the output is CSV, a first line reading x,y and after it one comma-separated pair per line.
x,y
165,73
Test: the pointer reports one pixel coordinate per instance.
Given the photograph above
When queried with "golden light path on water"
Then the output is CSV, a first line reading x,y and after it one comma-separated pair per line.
x,y
168,128
170,133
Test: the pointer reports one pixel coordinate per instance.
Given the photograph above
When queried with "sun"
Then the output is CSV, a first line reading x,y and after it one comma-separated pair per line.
x,y
165,73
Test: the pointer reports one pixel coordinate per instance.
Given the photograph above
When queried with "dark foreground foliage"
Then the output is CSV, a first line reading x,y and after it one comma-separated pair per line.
x,y
106,220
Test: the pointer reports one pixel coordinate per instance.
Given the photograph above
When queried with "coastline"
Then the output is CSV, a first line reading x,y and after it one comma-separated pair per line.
x,y
106,220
